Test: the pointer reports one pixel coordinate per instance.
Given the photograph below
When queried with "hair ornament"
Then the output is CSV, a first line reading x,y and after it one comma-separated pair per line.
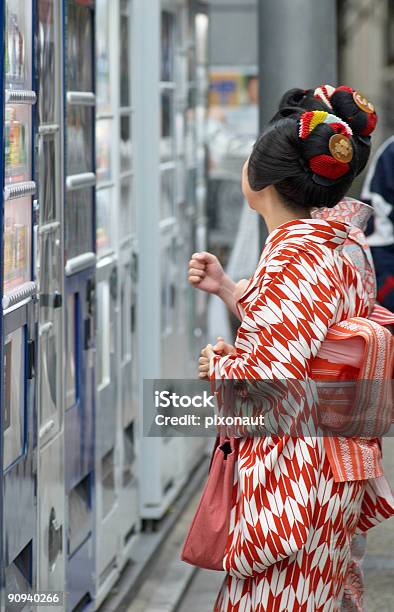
x,y
324,93
363,102
352,105
341,148
333,163
311,119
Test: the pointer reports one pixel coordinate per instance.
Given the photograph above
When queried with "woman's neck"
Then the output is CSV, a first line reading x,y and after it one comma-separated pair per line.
x,y
280,217
274,212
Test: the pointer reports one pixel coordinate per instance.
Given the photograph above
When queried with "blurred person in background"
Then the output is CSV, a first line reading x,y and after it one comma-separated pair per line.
x,y
378,191
206,273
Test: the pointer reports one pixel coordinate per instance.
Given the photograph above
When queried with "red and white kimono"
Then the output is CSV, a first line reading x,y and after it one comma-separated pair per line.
x,y
291,522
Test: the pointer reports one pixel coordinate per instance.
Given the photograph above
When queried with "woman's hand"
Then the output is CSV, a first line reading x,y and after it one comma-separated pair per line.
x,y
203,362
206,272
223,348
220,348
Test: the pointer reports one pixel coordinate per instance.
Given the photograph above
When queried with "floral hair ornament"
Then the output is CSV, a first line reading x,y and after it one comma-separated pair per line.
x,y
335,163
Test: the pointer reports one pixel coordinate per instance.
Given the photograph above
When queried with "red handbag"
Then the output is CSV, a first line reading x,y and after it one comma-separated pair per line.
x,y
206,540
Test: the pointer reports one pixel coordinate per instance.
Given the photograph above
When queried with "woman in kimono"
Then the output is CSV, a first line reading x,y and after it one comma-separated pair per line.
x,y
292,521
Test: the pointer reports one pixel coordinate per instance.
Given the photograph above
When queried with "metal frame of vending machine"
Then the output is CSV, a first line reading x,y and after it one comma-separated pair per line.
x,y
2,390
50,276
114,512
165,233
125,62
190,111
19,305
159,465
198,326
80,299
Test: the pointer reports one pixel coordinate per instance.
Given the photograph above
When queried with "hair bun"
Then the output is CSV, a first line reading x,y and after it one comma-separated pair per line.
x,y
353,107
292,98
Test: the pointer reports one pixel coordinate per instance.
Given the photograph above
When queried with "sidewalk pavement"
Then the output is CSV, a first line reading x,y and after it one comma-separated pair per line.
x,y
379,563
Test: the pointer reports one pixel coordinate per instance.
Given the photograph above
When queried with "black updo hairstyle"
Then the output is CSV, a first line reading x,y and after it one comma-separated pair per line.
x,y
340,103
281,158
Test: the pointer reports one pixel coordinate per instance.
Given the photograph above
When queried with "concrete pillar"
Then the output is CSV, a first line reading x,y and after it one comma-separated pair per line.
x,y
297,47
297,41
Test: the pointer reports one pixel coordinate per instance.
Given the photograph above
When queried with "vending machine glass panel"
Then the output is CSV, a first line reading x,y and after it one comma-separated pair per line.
x,y
164,299
17,243
180,192
134,350
103,89
79,215
126,145
104,221
125,46
18,45
71,376
168,186
46,62
201,118
191,187
108,481
129,455
49,271
14,395
17,143
167,46
191,127
167,144
191,46
80,121
167,293
103,150
202,23
104,340
79,512
79,45
180,123
48,371
47,167
127,209
18,578
125,298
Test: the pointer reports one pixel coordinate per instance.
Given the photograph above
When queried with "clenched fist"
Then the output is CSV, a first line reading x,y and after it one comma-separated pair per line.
x,y
206,272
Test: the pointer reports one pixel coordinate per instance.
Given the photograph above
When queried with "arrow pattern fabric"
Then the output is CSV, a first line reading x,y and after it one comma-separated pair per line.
x,y
291,523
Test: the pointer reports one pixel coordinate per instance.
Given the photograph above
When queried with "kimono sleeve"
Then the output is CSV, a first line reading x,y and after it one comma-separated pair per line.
x,y
284,326
283,329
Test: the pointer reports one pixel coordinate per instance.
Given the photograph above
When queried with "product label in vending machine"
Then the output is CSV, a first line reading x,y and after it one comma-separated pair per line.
x,y
14,50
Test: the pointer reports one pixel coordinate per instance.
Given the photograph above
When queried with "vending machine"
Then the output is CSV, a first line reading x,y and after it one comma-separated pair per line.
x,y
160,466
19,304
80,298
107,459
128,253
50,277
192,107
175,228
2,394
